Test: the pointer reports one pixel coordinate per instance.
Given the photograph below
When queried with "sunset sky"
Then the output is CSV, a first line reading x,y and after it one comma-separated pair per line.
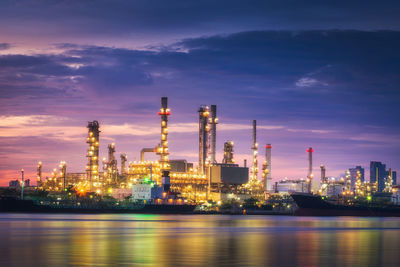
x,y
311,74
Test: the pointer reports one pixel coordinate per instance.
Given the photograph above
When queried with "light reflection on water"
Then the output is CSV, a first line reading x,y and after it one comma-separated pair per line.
x,y
197,240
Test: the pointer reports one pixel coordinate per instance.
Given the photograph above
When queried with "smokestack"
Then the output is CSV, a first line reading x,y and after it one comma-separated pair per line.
x,y
254,168
213,122
310,174
245,163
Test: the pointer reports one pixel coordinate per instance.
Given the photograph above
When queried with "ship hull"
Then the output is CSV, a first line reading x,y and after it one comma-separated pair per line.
x,y
311,205
15,205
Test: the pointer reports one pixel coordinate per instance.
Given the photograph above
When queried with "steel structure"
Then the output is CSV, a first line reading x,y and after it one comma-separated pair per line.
x,y
310,173
110,166
63,173
254,148
228,153
204,129
92,167
267,169
213,122
162,149
124,159
324,179
39,174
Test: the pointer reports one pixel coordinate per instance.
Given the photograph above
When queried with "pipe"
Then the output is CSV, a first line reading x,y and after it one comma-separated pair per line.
x,y
144,150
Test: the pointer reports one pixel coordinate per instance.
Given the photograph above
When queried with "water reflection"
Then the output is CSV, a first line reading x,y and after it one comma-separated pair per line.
x,y
159,240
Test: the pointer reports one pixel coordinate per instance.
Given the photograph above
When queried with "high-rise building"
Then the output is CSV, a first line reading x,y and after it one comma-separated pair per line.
x,y
353,175
377,174
394,177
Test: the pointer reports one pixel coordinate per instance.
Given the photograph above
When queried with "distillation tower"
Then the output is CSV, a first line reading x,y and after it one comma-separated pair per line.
x,y
213,122
63,173
204,129
310,173
254,148
110,166
162,149
267,169
92,167
39,174
228,153
124,159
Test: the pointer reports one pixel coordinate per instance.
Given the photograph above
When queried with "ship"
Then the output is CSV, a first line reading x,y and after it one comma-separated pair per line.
x,y
28,206
315,205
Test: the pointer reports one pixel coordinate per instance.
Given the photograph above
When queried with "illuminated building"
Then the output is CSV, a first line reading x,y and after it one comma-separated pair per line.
x,y
353,175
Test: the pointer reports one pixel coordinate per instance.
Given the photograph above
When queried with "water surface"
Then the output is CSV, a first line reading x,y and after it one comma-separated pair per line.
x,y
197,240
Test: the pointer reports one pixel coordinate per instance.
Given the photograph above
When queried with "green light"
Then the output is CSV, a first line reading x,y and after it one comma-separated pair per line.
x,y
369,198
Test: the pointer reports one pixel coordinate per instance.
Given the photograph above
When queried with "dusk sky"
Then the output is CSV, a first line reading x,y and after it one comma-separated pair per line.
x,y
324,74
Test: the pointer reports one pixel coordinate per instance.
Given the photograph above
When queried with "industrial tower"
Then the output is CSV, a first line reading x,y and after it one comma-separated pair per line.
x,y
267,169
162,149
63,173
124,159
324,179
213,122
254,167
310,174
204,129
92,167
39,174
228,153
110,166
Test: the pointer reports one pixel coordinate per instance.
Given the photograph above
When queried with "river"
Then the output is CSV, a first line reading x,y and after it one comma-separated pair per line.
x,y
197,240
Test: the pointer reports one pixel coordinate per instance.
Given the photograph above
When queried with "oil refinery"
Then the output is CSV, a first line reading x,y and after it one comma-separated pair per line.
x,y
176,181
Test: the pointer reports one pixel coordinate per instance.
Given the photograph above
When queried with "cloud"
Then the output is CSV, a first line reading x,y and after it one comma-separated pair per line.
x,y
306,82
4,46
249,75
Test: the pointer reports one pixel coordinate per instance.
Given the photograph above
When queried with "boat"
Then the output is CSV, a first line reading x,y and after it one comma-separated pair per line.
x,y
315,205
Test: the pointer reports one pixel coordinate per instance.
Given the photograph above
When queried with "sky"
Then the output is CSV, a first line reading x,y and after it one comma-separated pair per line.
x,y
324,74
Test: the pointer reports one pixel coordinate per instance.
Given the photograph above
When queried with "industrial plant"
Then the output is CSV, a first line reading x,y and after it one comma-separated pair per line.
x,y
180,181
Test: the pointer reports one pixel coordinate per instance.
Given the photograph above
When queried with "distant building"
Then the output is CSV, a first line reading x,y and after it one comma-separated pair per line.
x,y
353,175
394,174
377,174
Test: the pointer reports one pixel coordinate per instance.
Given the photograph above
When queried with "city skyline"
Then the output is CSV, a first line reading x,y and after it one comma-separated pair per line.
x,y
333,87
